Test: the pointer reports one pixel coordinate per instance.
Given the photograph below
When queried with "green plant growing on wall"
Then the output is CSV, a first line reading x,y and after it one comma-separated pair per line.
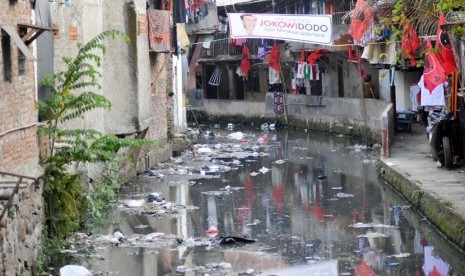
x,y
74,92
456,11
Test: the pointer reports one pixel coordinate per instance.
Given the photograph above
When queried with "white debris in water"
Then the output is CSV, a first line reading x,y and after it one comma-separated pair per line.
x,y
264,170
343,195
153,236
204,150
361,225
133,203
236,135
74,270
306,157
253,174
400,255
372,225
373,235
280,161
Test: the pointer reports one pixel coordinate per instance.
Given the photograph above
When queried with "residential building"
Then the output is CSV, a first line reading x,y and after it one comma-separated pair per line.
x,y
21,201
133,79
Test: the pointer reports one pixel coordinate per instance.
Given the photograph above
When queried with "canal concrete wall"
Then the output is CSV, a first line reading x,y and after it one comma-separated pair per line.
x,y
368,118
435,192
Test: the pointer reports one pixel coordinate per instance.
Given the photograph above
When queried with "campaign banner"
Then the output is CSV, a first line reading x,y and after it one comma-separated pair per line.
x,y
316,29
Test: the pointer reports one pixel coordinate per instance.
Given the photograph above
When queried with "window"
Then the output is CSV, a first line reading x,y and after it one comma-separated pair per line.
x,y
6,54
21,56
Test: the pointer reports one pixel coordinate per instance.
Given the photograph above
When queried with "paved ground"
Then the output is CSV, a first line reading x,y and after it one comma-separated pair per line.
x,y
410,159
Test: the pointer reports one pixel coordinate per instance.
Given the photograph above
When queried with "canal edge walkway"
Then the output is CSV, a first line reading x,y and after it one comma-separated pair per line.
x,y
438,193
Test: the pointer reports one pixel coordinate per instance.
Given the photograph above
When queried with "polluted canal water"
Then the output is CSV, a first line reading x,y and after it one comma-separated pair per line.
x,y
281,203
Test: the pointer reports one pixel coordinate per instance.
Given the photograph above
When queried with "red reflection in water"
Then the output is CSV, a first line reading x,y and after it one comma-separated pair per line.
x,y
364,269
277,197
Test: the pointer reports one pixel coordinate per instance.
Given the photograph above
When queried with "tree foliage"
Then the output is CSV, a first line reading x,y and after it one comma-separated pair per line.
x,y
74,92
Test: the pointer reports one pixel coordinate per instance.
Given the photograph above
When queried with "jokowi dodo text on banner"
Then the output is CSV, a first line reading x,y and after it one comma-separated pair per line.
x,y
306,28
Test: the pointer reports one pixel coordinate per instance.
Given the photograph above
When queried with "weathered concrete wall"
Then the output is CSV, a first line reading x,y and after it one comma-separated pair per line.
x,y
232,108
21,228
139,109
162,126
352,116
125,68
77,22
352,82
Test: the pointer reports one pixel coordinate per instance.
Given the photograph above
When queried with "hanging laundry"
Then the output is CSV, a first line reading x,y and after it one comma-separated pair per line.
x,y
307,71
385,34
261,52
179,11
240,41
159,23
433,97
183,39
444,44
300,70
222,24
316,72
273,76
294,88
207,41
368,54
380,53
414,91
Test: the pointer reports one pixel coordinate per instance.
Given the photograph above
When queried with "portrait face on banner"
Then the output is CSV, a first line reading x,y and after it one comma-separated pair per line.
x,y
249,22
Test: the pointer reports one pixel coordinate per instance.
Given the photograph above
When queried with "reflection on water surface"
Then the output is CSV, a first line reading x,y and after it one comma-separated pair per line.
x,y
312,202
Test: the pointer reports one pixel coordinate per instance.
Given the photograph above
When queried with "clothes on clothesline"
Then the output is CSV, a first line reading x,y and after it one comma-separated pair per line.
x,y
431,98
414,91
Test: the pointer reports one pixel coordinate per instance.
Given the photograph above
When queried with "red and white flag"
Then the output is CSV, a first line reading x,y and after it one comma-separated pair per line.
x,y
274,57
443,42
245,63
433,72
361,20
410,43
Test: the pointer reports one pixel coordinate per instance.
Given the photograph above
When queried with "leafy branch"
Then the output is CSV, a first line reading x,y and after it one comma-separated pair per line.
x,y
74,92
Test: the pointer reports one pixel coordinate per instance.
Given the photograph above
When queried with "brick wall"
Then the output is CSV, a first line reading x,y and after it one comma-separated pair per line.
x,y
20,229
18,149
161,82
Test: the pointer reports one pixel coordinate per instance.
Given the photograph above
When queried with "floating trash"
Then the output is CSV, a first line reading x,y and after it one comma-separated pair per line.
x,y
400,255
343,195
212,232
264,170
373,235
